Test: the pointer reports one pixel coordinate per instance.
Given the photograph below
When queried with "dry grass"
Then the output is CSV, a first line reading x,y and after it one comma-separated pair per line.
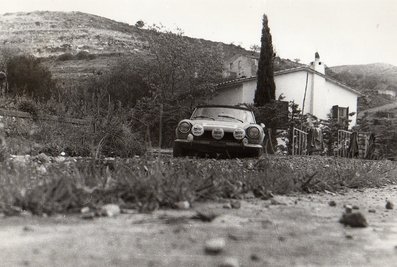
x,y
148,183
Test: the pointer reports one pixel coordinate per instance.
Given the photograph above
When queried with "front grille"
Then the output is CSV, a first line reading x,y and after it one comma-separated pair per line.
x,y
207,136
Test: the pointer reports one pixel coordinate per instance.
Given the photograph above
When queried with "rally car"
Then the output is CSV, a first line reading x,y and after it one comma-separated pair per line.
x,y
219,129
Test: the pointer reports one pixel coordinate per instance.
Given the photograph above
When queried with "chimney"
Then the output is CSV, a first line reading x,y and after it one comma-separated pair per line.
x,y
317,65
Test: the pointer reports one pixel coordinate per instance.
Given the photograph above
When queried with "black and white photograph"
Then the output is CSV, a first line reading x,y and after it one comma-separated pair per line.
x,y
198,133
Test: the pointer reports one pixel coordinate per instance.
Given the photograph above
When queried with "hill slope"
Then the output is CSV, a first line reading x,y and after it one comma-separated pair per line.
x,y
51,35
369,79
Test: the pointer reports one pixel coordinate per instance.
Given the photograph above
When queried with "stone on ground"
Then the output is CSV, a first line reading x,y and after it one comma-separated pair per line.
x,y
215,245
354,219
110,210
389,205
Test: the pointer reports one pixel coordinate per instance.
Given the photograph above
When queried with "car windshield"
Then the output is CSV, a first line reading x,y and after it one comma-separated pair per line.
x,y
223,114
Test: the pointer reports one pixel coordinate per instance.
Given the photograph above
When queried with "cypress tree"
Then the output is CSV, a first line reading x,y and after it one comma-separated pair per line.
x,y
265,87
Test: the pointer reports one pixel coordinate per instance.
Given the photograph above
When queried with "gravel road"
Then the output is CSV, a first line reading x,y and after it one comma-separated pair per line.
x,y
298,230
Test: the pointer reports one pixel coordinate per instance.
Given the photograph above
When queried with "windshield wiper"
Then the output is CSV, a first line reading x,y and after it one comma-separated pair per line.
x,y
229,117
203,117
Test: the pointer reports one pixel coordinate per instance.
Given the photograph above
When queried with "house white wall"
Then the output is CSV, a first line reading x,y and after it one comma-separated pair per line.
x,y
321,93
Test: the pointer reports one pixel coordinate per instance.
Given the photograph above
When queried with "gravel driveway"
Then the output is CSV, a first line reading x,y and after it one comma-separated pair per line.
x,y
298,230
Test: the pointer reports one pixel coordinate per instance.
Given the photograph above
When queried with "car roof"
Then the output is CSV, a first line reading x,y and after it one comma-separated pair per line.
x,y
223,106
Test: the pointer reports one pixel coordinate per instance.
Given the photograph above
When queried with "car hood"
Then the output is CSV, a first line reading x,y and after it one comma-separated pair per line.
x,y
225,125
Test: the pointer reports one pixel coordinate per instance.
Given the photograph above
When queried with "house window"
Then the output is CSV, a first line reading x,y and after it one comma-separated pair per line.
x,y
340,113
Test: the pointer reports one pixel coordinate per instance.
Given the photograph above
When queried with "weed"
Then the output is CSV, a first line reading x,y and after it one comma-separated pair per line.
x,y
148,183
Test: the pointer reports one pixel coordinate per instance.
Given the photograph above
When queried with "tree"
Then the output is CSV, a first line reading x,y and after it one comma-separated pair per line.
x,y
265,89
140,24
27,76
181,65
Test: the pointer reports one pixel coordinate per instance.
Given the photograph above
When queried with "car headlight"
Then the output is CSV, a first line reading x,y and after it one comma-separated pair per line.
x,y
197,130
253,132
184,127
239,133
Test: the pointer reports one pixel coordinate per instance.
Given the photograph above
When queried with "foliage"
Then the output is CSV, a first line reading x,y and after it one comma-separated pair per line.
x,y
180,66
146,119
266,88
30,107
27,76
123,85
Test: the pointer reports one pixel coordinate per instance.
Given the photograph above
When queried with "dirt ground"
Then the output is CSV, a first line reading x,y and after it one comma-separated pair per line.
x,y
301,230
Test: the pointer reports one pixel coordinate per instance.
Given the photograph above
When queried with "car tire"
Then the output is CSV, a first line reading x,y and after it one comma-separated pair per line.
x,y
178,151
257,153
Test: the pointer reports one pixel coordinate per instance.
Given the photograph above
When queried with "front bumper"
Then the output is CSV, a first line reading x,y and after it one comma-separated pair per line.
x,y
215,146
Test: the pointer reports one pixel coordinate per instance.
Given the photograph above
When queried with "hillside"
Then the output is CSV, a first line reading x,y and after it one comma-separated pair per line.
x,y
368,79
53,35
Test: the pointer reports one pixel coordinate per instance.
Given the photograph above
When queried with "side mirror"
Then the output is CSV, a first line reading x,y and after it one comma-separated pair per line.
x,y
262,125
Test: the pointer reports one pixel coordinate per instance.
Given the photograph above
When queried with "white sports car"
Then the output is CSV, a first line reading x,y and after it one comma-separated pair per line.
x,y
216,129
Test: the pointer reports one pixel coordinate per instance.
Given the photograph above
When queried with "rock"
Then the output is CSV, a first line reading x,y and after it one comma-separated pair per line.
x,y
85,210
372,211
182,205
110,210
229,262
389,205
355,219
355,207
215,245
235,204
227,206
332,203
205,215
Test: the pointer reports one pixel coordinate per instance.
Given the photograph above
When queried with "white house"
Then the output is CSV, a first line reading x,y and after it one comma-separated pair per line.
x,y
307,86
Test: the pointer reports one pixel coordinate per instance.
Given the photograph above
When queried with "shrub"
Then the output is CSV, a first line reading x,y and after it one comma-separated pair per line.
x,y
30,107
27,76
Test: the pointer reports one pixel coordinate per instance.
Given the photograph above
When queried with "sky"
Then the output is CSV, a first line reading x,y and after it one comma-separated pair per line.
x,y
344,32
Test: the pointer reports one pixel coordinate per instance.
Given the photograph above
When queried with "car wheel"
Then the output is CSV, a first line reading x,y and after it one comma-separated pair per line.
x,y
178,151
257,153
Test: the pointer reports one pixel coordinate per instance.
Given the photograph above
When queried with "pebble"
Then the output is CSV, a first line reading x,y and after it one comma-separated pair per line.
x,y
85,210
215,245
355,219
182,205
389,205
110,210
229,262
332,203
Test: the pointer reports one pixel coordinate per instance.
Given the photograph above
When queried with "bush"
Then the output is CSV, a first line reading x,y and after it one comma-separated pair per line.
x,y
27,76
30,107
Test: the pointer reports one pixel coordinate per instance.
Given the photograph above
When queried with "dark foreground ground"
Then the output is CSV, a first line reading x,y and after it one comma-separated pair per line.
x,y
298,230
